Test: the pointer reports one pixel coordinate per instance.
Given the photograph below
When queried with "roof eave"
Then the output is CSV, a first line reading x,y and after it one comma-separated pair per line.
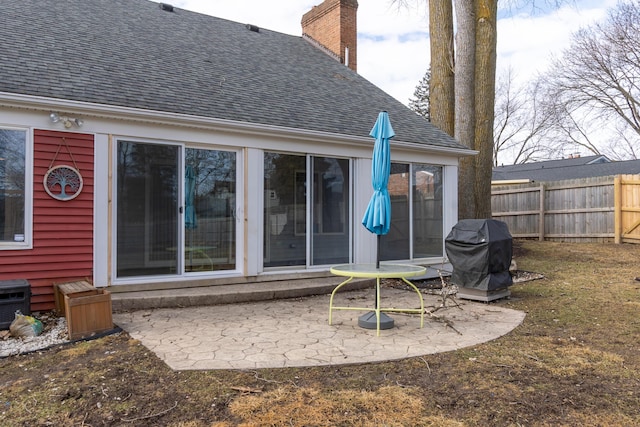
x,y
87,109
436,149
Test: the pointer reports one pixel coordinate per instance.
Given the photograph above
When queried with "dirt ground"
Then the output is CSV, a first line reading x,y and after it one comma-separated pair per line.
x,y
575,360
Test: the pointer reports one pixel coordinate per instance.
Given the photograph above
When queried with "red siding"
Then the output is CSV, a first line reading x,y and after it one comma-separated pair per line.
x,y
62,231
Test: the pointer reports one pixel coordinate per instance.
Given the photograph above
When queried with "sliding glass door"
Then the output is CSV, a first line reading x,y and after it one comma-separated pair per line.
x,y
307,218
416,213
395,244
285,210
147,207
330,214
175,210
209,207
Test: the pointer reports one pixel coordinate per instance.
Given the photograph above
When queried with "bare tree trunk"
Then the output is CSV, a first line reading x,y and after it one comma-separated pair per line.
x,y
485,85
441,84
465,102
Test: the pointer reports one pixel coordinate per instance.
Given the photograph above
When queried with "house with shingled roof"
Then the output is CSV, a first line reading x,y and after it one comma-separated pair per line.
x,y
574,167
144,146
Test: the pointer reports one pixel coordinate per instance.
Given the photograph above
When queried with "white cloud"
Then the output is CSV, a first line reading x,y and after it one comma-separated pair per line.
x,y
395,66
528,43
393,45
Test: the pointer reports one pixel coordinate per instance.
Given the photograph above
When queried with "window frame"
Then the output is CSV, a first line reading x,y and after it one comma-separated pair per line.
x,y
27,242
180,273
303,218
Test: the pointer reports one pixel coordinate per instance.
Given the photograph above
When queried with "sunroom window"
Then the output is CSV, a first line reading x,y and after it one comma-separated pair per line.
x,y
306,210
416,213
176,210
13,188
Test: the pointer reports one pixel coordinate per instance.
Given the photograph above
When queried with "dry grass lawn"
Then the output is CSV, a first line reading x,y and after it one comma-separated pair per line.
x,y
575,360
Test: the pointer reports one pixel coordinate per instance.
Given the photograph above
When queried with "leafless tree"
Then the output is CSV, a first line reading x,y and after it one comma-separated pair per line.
x,y
593,89
475,66
441,46
463,86
521,126
12,157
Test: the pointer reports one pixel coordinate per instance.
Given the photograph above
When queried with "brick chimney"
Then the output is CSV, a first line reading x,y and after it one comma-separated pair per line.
x,y
332,24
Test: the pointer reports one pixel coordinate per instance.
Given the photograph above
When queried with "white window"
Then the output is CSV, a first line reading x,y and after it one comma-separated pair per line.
x,y
15,189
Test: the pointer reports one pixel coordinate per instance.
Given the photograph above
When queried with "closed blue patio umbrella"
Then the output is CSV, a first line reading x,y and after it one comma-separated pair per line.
x,y
377,217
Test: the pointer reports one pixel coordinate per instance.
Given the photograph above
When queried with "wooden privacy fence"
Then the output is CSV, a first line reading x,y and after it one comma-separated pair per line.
x,y
598,209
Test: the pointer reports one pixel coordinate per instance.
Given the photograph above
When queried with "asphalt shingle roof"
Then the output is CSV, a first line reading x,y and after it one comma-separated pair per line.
x,y
132,53
574,168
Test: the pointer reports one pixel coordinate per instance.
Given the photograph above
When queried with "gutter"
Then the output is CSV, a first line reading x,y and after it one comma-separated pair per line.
x,y
511,181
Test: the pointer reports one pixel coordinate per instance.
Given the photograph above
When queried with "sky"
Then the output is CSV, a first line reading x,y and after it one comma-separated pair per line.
x,y
393,43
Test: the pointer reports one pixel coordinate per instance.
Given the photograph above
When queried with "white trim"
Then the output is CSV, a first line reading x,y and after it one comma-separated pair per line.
x,y
248,141
254,201
411,207
86,109
181,275
351,215
365,246
309,207
101,205
239,214
511,181
177,279
27,243
449,204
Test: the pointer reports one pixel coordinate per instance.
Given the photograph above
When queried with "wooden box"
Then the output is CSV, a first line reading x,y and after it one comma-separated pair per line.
x,y
88,312
77,288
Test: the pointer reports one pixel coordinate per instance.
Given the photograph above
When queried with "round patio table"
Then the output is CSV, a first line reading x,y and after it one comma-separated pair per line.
x,y
385,271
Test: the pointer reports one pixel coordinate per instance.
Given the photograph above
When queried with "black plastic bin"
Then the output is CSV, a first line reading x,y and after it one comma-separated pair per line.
x,y
14,295
480,251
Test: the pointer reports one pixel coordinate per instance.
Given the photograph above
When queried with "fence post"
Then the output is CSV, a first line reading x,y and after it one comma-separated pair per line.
x,y
541,214
617,209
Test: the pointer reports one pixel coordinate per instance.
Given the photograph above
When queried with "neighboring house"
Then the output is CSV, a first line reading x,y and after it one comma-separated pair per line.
x,y
150,146
574,167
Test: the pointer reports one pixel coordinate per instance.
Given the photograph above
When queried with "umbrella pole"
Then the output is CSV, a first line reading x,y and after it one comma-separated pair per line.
x,y
370,320
378,268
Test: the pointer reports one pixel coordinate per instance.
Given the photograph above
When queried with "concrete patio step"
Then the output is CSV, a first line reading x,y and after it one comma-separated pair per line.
x,y
130,300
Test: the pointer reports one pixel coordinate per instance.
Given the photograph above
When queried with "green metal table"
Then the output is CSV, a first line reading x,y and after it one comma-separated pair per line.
x,y
385,271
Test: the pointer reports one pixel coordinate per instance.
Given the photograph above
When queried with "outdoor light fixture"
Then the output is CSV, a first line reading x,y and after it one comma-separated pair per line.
x,y
66,121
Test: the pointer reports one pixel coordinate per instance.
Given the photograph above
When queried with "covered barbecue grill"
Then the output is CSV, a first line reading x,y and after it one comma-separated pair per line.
x,y
480,252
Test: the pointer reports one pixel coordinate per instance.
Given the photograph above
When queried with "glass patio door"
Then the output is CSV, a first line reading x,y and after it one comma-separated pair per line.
x,y
174,216
416,213
209,210
330,215
307,210
147,209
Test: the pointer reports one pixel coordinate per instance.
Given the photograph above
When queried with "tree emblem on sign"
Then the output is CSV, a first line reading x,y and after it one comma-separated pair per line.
x,y
63,182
